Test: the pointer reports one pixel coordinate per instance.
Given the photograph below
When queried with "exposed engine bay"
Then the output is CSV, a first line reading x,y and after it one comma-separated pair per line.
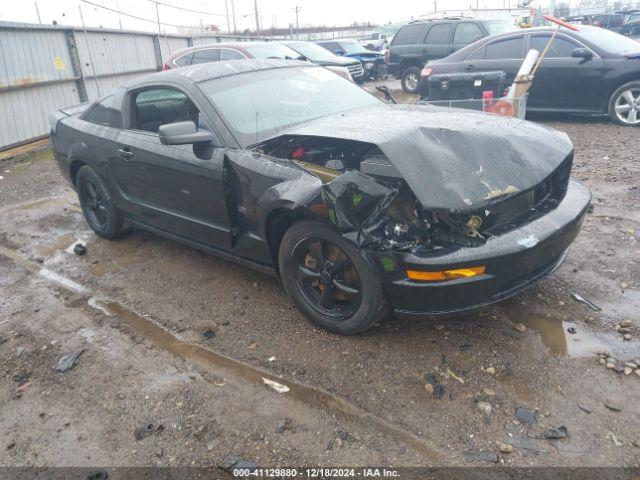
x,y
368,199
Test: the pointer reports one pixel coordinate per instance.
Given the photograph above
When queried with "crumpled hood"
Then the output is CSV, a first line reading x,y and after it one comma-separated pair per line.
x,y
451,158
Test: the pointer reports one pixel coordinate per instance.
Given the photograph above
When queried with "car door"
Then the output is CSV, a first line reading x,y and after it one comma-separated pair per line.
x,y
564,82
176,188
503,54
406,45
437,42
465,33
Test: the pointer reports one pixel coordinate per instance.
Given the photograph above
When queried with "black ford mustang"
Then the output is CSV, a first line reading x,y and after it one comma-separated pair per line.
x,y
292,169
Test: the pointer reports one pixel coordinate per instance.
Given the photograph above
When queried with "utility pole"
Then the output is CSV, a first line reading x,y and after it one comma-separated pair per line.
x,y
226,9
255,7
38,13
233,14
158,20
119,16
297,9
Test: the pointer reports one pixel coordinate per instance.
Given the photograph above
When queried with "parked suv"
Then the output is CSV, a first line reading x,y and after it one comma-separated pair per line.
x,y
418,42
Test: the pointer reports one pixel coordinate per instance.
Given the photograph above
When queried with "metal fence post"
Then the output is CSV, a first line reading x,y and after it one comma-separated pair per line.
x,y
72,47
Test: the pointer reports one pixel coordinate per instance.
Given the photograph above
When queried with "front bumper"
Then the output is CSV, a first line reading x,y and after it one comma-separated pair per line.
x,y
514,261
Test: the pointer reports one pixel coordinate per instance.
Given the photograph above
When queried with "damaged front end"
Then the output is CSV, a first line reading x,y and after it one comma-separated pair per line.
x,y
369,201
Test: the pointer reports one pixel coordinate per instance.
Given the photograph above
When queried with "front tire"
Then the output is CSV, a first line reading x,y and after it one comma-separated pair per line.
x,y
97,207
329,280
624,105
410,79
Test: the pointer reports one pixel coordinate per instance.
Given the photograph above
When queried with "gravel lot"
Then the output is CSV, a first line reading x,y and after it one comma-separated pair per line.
x,y
139,306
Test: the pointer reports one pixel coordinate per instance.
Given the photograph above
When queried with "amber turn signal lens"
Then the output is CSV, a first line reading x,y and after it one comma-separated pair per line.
x,y
445,274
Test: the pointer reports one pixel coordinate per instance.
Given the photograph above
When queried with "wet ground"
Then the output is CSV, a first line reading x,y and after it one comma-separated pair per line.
x,y
406,393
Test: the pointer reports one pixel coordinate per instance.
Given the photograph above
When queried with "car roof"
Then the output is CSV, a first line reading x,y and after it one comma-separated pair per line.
x,y
445,19
234,45
209,71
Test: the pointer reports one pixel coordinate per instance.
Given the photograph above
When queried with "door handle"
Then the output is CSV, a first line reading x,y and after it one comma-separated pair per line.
x,y
470,68
125,153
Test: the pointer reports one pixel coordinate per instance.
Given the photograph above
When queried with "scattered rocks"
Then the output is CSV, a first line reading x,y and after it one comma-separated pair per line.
x,y
429,388
477,456
526,416
79,249
627,336
505,447
626,323
628,370
488,392
484,407
147,429
613,407
520,327
283,424
19,351
69,361
490,370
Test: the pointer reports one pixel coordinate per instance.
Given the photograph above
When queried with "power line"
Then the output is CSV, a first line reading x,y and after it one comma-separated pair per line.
x,y
133,16
197,11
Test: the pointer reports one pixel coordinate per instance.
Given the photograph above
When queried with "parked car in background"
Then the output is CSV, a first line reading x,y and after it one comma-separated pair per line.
x,y
321,56
610,22
373,63
592,70
374,41
287,168
631,25
216,52
419,42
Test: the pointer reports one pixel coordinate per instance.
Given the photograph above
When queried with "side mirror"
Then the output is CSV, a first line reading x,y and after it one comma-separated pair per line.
x,y
583,53
387,93
183,133
339,52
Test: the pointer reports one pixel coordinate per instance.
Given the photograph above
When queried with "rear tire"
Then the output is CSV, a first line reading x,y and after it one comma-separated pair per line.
x,y
410,79
346,314
97,206
624,105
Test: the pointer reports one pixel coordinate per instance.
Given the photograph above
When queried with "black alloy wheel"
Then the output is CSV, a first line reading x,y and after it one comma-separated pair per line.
x,y
98,209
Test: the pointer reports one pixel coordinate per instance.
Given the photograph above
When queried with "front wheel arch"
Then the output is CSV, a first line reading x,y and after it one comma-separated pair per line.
x,y
613,97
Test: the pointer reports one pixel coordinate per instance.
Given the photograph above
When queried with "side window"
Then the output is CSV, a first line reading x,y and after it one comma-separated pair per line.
x,y
205,56
226,54
479,54
157,106
510,48
409,34
331,46
101,112
438,34
183,60
560,48
467,33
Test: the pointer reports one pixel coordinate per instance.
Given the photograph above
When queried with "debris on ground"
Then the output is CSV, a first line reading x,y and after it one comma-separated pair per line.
x,y
489,392
505,447
234,462
508,369
584,408
19,351
338,439
613,407
524,443
490,370
464,346
69,361
453,375
615,440
433,386
207,334
11,445
479,456
23,387
147,429
553,433
572,330
588,303
484,407
520,327
278,387
526,416
79,249
22,378
219,382
283,424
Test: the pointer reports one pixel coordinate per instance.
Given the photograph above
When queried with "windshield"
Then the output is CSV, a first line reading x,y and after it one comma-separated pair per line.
x,y
257,105
495,27
272,51
609,41
313,52
353,48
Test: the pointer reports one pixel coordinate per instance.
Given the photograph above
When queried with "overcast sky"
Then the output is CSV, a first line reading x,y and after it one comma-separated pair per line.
x,y
272,12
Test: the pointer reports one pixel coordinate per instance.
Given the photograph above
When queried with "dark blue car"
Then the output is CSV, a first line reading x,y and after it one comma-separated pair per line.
x,y
373,62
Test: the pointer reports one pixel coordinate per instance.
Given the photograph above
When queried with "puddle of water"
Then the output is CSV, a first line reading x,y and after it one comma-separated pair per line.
x,y
309,395
555,335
